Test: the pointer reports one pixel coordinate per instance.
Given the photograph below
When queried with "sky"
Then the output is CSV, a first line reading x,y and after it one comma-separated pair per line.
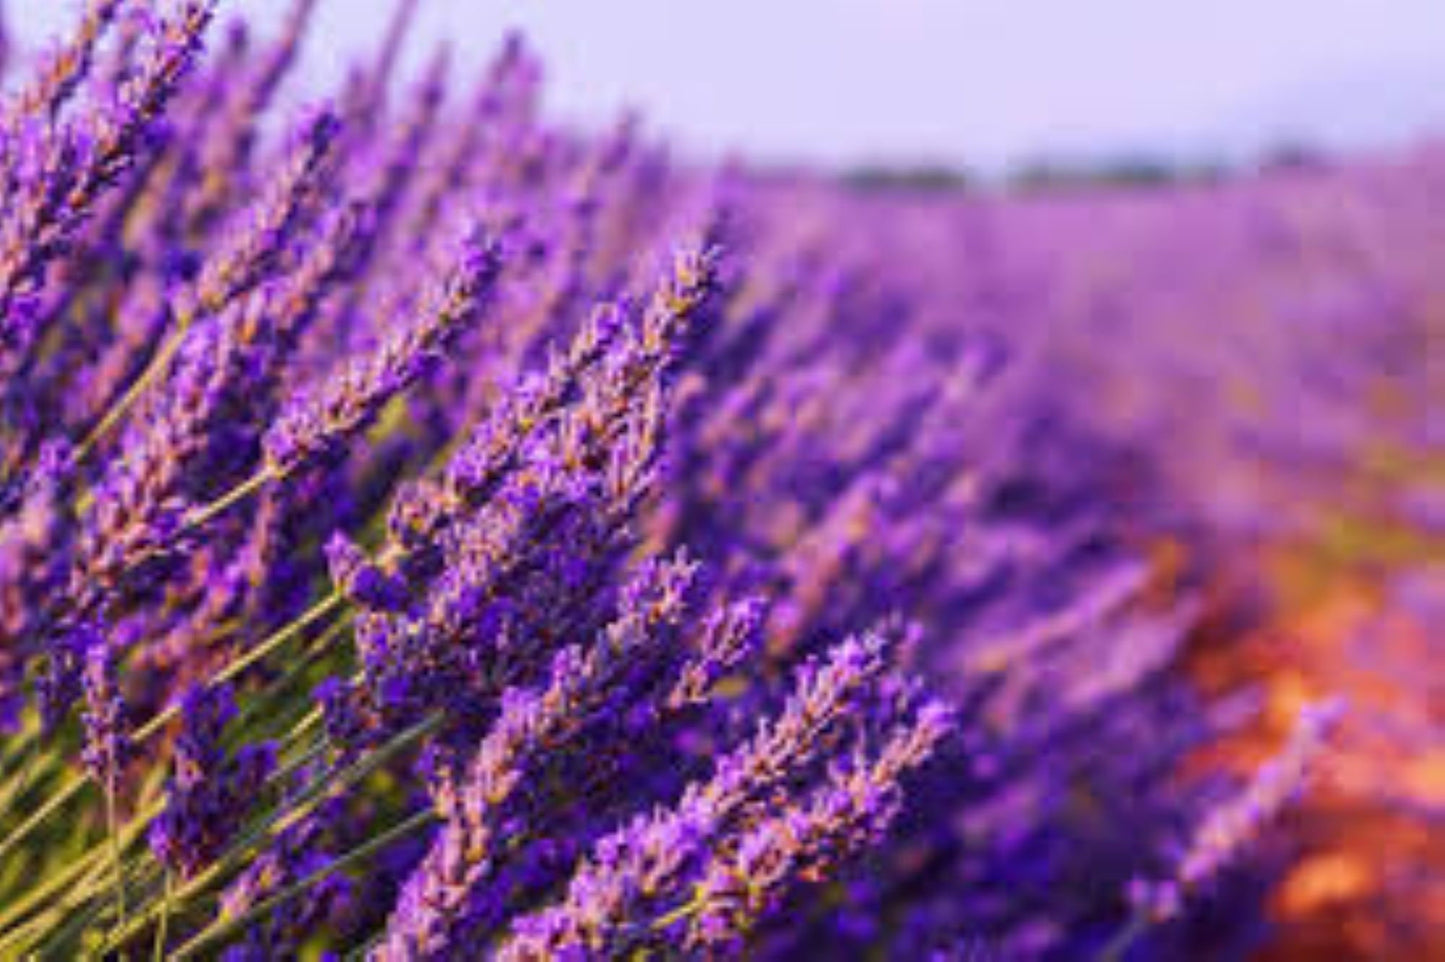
x,y
970,83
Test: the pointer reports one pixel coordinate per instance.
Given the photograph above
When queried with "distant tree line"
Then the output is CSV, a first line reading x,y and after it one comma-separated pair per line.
x,y
1126,171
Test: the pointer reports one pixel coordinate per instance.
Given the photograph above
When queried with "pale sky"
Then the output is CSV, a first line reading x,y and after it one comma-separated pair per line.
x,y
968,82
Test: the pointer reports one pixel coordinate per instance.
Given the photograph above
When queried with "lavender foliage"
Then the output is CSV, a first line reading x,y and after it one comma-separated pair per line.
x,y
438,533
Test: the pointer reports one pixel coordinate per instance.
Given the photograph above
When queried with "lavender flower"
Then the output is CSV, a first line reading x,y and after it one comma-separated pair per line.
x,y
227,150
476,471
609,383
360,580
75,169
729,637
1227,828
807,840
632,870
253,247
66,68
60,683
533,727
314,425
209,791
107,742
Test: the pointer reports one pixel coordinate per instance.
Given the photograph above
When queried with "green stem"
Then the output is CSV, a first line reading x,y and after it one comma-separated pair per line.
x,y
16,785
294,670
74,916
277,822
690,907
251,657
118,410
113,830
72,788
136,828
222,928
23,741
67,793
313,614
255,482
158,953
303,725
64,880
73,886
10,942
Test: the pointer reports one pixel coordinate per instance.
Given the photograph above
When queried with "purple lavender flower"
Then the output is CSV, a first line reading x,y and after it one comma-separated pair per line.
x,y
227,150
1228,827
807,840
494,449
630,872
253,248
75,167
610,385
210,791
313,425
534,727
60,683
65,69
107,738
730,635
362,581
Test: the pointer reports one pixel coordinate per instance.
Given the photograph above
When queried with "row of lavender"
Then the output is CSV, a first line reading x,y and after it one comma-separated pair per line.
x,y
426,532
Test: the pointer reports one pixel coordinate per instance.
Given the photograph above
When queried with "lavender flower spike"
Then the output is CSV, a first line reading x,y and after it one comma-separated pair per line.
x,y
632,871
534,726
107,741
65,69
36,226
611,363
256,245
1228,828
494,449
208,792
808,840
313,426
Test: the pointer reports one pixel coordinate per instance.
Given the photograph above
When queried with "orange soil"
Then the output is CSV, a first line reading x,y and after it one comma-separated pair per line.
x,y
1370,879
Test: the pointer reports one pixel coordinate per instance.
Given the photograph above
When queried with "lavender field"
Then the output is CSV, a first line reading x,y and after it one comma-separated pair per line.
x,y
430,531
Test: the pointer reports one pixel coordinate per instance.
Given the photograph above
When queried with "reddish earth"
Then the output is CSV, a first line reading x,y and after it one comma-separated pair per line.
x,y
1369,879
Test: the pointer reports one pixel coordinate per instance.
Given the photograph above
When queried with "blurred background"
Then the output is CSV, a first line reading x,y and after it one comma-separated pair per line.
x,y
966,86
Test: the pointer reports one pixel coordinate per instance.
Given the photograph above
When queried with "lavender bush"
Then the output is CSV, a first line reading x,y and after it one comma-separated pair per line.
x,y
426,533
